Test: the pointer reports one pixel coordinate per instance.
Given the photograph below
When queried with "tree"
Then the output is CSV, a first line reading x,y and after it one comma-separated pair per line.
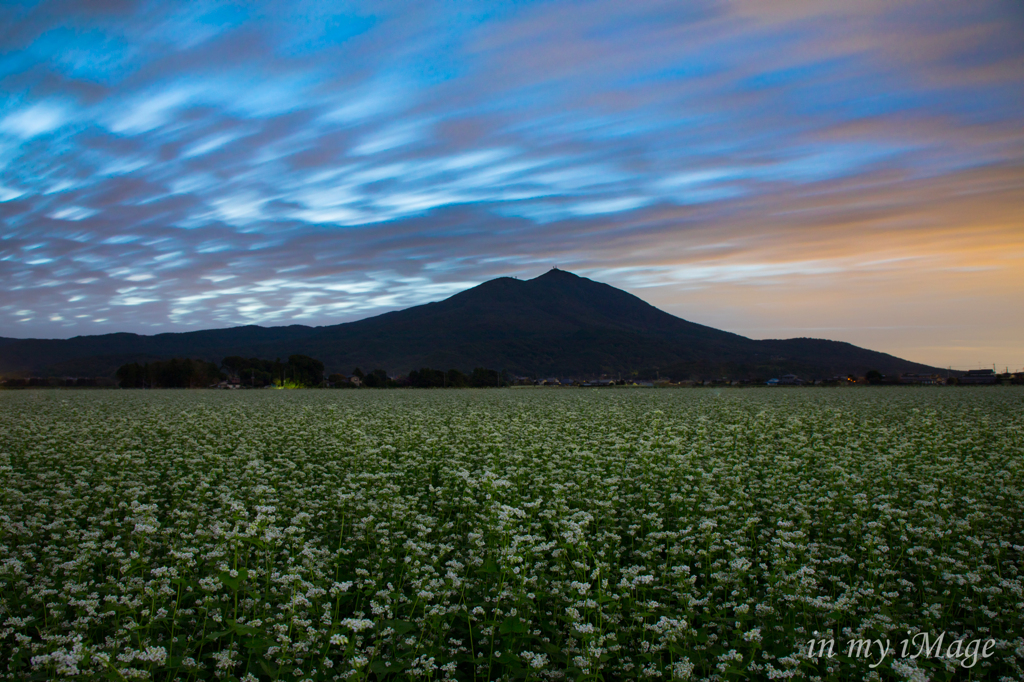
x,y
378,378
252,371
306,371
427,378
236,364
173,373
131,376
873,376
484,378
456,379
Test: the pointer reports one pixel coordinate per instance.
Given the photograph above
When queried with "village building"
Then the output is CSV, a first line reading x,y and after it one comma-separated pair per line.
x,y
923,379
979,376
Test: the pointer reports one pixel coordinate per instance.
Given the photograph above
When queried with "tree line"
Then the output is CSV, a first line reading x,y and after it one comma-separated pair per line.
x,y
424,377
173,373
299,371
480,377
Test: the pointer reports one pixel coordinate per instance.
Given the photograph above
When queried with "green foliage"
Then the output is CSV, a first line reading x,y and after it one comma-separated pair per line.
x,y
300,371
173,373
306,371
457,379
426,377
254,371
488,378
378,378
506,535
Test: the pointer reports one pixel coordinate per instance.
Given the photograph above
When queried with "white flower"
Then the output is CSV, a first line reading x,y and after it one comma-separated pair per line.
x,y
535,660
357,624
682,670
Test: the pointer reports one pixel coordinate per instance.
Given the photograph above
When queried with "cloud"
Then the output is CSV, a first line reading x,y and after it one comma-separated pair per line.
x,y
258,163
34,119
8,193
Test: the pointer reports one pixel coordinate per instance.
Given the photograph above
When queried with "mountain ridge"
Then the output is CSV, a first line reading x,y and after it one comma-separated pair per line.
x,y
557,323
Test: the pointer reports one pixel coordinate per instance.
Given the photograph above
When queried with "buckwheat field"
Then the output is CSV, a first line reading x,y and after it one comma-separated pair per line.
x,y
509,534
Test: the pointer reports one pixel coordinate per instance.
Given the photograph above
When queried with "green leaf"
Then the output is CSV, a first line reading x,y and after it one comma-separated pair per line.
x,y
512,625
213,636
550,648
490,566
134,566
387,667
242,629
233,583
255,541
257,643
400,626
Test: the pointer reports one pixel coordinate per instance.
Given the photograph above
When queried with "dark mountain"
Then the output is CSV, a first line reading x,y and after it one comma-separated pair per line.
x,y
556,324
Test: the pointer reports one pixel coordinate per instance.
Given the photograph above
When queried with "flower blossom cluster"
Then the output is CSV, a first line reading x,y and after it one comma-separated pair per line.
x,y
506,534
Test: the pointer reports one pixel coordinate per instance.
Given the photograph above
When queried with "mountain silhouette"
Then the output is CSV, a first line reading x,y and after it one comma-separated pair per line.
x,y
556,324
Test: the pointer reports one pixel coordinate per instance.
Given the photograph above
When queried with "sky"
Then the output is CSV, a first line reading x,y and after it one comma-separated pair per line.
x,y
843,170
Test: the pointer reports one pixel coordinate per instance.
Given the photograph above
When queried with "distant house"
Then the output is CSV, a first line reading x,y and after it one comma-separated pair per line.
x,y
790,380
924,379
979,376
772,382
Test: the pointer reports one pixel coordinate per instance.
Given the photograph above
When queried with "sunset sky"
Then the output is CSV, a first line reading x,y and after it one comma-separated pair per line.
x,y
847,170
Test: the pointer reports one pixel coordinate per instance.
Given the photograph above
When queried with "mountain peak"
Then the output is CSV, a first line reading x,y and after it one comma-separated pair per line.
x,y
555,273
557,323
